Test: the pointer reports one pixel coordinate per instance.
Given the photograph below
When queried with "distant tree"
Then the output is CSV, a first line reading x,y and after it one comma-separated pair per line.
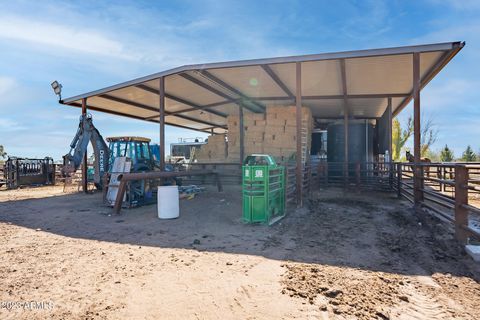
x,y
400,137
3,154
429,135
446,155
468,155
434,156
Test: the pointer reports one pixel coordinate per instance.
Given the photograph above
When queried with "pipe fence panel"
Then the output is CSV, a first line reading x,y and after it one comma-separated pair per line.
x,y
450,190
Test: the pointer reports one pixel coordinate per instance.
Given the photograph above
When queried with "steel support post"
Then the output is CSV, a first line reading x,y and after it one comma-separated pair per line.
x,y
345,150
389,141
242,133
85,160
299,167
161,96
417,192
345,121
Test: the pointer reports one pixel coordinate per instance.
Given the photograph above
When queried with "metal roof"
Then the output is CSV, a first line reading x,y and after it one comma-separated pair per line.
x,y
201,96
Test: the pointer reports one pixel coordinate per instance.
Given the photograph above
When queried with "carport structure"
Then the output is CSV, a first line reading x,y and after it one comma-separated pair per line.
x,y
363,84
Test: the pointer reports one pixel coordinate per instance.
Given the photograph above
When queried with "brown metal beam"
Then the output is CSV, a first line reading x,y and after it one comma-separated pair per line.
x,y
389,128
149,119
146,107
299,163
225,85
430,74
85,160
277,80
161,101
186,102
389,142
213,90
345,119
418,197
350,117
242,132
211,105
338,97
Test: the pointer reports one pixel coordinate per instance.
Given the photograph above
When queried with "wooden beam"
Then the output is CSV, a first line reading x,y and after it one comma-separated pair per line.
x,y
277,80
299,167
85,159
161,100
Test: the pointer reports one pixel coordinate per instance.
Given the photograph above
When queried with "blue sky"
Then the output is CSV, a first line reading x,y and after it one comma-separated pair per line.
x,y
87,45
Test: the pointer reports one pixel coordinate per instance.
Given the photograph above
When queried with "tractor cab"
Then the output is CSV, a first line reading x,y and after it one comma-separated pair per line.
x,y
137,149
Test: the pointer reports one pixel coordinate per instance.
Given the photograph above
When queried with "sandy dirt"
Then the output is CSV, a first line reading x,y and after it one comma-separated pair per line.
x,y
343,256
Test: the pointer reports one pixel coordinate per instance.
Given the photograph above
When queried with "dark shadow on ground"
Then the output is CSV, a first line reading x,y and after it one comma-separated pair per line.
x,y
371,231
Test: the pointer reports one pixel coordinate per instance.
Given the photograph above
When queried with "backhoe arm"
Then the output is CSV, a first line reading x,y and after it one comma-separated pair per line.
x,y
86,133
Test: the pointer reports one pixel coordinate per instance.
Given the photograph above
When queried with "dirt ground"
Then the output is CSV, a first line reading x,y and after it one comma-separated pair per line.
x,y
343,256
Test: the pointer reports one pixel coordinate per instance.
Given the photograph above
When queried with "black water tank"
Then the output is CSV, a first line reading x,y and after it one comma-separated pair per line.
x,y
360,143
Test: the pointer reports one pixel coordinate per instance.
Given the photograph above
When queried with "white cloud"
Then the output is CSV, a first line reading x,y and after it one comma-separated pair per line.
x,y
61,36
6,85
8,125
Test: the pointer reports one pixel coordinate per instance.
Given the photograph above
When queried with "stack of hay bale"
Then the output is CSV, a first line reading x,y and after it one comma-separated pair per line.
x,y
273,133
281,132
215,151
254,132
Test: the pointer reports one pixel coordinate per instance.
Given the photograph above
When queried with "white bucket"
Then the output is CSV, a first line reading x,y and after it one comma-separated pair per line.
x,y
168,202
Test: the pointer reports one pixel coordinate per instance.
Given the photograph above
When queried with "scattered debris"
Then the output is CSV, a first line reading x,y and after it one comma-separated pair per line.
x,y
189,192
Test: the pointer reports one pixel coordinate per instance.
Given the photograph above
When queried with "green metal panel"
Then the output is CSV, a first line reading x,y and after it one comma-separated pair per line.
x,y
263,190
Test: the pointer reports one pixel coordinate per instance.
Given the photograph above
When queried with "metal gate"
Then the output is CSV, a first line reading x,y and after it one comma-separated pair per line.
x,y
27,172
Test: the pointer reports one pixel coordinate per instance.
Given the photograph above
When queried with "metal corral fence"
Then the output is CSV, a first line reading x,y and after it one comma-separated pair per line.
x,y
450,190
28,172
228,173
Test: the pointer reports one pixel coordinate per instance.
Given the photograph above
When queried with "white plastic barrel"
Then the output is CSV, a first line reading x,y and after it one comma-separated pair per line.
x,y
168,202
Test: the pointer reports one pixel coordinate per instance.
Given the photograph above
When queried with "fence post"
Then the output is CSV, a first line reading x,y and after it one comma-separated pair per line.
x,y
461,198
422,181
417,185
399,180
